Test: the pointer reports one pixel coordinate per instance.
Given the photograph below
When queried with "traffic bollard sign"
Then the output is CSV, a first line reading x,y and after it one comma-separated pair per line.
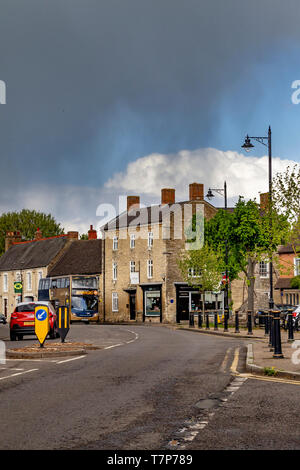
x,y
41,323
63,322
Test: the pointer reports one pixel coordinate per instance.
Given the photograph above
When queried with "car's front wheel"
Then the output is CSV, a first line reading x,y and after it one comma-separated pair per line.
x,y
12,336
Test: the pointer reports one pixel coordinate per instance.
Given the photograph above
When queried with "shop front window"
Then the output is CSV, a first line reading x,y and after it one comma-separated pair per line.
x,y
152,303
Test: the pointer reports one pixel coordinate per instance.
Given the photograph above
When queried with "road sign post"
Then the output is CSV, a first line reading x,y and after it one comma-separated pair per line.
x,y
63,321
41,323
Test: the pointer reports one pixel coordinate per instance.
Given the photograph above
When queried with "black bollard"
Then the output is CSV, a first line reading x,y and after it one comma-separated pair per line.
x,y
200,320
290,326
216,321
237,321
266,323
271,330
191,322
277,337
226,316
207,322
249,322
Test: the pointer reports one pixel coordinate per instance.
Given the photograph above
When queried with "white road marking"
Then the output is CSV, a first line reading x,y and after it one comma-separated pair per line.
x,y
71,359
18,373
193,428
114,346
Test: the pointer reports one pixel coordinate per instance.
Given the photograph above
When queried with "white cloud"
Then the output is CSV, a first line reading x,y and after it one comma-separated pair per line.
x,y
245,175
75,207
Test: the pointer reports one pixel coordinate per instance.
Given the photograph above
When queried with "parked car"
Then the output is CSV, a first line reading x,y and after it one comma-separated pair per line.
x,y
296,318
2,319
22,320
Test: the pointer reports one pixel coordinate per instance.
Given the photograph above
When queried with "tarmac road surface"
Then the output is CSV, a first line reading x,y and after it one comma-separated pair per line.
x,y
132,395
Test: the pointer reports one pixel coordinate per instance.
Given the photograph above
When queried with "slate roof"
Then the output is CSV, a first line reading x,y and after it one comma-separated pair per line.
x,y
146,215
81,257
288,248
33,254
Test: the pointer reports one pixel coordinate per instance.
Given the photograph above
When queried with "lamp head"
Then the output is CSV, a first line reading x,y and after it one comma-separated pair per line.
x,y
209,194
247,144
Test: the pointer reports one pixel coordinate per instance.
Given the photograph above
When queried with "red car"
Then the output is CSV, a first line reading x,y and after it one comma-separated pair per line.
x,y
22,320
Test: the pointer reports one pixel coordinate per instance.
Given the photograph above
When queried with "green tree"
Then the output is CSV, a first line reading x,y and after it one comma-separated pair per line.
x,y
27,222
202,268
252,234
286,201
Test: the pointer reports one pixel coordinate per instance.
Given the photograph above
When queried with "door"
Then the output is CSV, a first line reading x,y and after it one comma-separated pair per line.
x,y
132,306
183,306
5,308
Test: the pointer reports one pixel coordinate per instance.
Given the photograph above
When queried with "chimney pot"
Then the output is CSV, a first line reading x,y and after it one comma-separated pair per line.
x,y
38,234
92,233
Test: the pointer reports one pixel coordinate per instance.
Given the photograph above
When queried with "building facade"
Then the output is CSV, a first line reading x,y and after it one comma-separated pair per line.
x,y
23,265
289,267
142,280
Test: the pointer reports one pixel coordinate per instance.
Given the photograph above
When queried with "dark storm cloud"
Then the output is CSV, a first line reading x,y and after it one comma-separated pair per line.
x,y
94,84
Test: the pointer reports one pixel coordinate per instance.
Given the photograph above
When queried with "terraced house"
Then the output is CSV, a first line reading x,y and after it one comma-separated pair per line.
x,y
25,263
142,280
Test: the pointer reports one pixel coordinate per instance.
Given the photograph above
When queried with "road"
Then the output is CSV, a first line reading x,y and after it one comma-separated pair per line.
x,y
150,387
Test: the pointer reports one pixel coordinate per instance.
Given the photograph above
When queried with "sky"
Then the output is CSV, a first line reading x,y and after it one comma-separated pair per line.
x,y
109,98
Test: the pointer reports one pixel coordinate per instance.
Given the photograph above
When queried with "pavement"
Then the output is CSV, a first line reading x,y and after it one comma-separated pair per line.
x,y
260,358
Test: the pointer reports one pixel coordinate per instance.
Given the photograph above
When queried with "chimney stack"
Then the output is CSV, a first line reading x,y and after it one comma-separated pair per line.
x,y
38,234
133,202
73,235
264,200
12,238
168,196
196,192
92,233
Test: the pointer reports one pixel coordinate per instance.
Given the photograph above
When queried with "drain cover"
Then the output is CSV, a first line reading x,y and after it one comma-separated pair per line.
x,y
207,404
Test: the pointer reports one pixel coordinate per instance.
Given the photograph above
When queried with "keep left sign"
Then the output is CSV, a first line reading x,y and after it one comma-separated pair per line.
x,y
41,323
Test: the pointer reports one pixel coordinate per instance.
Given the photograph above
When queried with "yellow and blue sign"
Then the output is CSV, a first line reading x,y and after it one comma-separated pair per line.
x,y
41,324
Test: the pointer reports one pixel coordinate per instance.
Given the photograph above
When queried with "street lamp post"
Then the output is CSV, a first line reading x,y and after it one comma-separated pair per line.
x,y
248,146
209,196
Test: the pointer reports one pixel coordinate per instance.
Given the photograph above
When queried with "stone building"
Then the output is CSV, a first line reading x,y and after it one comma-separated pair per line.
x,y
142,280
25,263
289,267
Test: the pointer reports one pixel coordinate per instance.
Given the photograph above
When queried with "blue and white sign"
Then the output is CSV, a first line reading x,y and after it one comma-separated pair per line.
x,y
41,314
41,324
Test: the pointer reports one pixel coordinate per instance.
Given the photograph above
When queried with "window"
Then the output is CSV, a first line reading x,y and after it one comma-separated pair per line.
x,y
115,243
132,240
40,275
5,282
115,271
193,272
132,266
297,266
263,269
149,268
29,281
115,302
150,239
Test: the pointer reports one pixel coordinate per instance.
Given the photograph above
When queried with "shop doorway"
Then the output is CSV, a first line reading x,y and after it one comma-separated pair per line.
x,y
132,307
